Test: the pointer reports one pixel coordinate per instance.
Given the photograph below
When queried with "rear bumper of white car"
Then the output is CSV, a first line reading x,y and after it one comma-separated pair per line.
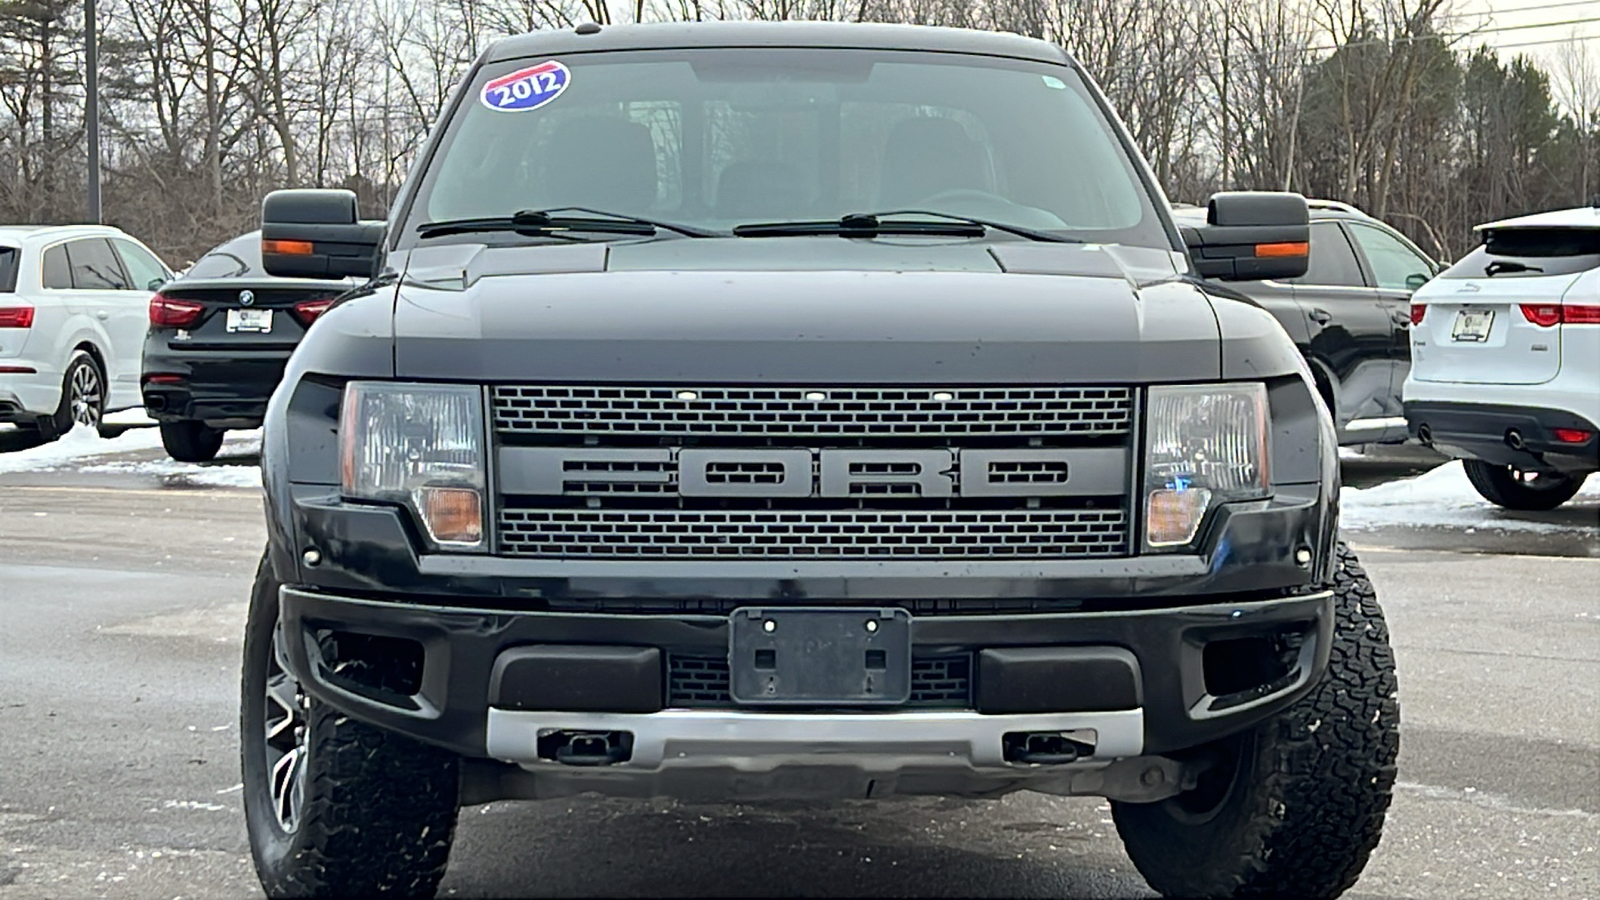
x,y
1529,438
25,396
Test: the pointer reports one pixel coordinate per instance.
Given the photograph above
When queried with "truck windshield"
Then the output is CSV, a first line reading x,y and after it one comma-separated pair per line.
x,y
715,138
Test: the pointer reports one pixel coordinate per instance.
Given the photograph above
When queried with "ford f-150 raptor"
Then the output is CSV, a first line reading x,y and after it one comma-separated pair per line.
x,y
756,412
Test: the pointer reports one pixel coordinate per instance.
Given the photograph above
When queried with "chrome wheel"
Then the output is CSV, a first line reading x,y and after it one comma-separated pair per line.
x,y
286,744
86,395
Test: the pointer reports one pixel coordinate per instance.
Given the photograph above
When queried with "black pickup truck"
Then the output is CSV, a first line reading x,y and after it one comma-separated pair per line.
x,y
755,412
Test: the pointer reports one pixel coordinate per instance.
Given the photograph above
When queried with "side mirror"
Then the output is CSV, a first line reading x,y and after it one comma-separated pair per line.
x,y
1250,236
1416,280
316,234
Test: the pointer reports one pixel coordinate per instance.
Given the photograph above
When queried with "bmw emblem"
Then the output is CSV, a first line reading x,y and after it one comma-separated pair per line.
x,y
246,298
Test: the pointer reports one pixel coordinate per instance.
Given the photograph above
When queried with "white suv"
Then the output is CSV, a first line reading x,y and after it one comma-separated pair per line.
x,y
74,306
1505,359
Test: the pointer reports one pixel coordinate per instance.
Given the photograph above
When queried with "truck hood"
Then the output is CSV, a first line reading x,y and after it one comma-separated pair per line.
x,y
801,310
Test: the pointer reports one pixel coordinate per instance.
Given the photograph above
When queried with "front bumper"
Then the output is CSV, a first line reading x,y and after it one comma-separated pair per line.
x,y
1502,435
223,388
1124,685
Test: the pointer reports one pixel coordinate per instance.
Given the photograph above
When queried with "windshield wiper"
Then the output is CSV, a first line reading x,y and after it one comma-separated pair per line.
x,y
875,224
544,222
1508,267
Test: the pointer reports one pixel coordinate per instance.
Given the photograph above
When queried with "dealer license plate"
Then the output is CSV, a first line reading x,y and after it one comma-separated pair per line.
x,y
1472,326
257,321
820,657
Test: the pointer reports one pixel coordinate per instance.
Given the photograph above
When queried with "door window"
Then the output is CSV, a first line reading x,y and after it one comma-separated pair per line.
x,y
144,270
57,272
95,267
1394,265
1333,261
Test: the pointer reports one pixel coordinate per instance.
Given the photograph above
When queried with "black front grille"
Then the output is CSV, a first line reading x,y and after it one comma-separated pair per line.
x,y
814,534
701,682
758,412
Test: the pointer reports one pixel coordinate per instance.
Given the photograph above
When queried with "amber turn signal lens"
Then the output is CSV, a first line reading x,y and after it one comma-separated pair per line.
x,y
287,248
1173,517
1290,248
453,515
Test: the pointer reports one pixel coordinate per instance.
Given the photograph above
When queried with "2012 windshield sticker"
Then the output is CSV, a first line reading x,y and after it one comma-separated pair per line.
x,y
528,88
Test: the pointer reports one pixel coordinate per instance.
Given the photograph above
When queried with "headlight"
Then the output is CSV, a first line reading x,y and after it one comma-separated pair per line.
x,y
1205,444
420,445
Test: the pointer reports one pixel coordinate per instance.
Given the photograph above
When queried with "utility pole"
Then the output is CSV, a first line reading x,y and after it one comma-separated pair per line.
x,y
91,65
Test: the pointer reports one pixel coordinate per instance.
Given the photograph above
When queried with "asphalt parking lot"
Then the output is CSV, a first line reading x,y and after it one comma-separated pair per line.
x,y
122,586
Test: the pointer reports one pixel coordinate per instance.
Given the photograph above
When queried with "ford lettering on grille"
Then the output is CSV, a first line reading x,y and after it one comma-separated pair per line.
x,y
799,472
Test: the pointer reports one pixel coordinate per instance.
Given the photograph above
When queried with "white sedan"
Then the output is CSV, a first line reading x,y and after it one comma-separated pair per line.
x,y
74,307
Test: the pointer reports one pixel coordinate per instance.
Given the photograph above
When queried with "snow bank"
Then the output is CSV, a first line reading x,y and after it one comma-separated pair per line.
x,y
78,444
1443,497
83,445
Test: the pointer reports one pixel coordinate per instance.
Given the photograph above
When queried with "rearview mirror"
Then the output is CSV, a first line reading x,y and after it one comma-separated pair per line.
x,y
1250,236
1415,280
316,234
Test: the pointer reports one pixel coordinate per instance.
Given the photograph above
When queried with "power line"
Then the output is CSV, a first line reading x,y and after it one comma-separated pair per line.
x,y
1537,7
1443,36
1546,42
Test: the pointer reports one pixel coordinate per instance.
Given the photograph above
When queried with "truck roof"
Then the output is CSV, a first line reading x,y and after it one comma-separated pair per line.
x,y
846,35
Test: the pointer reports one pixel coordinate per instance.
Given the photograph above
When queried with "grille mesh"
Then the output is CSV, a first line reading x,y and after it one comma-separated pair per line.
x,y
757,412
827,534
701,682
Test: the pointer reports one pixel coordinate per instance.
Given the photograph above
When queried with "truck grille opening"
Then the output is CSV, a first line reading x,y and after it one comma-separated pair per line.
x,y
821,534
387,669
756,412
701,682
1238,670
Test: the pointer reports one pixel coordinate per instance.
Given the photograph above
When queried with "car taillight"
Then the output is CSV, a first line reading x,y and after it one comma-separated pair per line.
x,y
166,312
1544,315
1418,310
1572,435
1580,315
307,311
16,317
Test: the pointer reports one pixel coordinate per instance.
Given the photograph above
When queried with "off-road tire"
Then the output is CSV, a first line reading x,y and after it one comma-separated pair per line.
x,y
1304,807
190,441
379,810
1501,486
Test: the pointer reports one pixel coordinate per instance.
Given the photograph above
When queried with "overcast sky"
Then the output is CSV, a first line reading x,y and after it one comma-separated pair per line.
x,y
1530,26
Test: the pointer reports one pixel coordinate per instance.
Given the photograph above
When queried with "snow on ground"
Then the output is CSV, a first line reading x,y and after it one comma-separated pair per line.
x,y
76,445
1443,497
82,449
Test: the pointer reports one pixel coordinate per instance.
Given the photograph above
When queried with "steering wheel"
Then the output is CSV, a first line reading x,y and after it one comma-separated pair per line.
x,y
986,205
956,195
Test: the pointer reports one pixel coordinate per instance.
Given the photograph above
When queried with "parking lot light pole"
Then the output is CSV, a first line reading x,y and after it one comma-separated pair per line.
x,y
91,62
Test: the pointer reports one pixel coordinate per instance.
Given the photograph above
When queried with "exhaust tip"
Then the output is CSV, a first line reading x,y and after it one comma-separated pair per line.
x,y
1514,439
1425,435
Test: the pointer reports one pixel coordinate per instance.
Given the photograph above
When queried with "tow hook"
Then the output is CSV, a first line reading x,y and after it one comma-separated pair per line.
x,y
1046,748
586,748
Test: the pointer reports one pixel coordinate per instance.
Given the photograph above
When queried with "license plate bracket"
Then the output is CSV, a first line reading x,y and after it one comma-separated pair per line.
x,y
819,657
1472,326
253,321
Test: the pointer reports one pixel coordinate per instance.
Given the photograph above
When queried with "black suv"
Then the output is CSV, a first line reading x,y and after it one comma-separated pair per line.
x,y
1350,315
219,337
755,412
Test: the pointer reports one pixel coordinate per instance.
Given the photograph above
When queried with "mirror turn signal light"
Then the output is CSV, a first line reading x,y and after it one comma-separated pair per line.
x,y
287,248
1283,249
